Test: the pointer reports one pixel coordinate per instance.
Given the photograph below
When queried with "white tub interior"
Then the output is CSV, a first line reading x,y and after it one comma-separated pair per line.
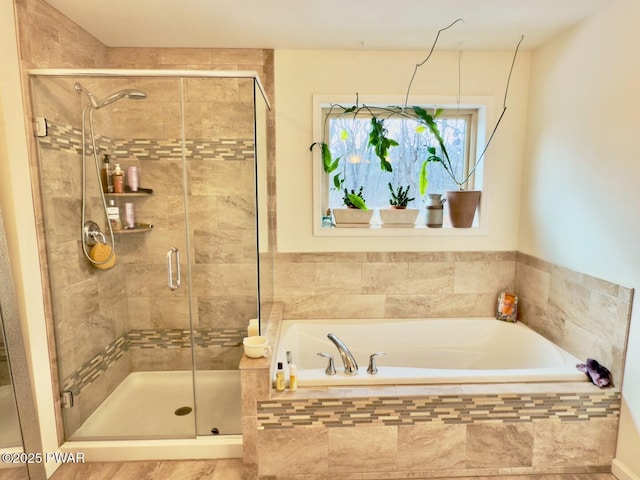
x,y
426,351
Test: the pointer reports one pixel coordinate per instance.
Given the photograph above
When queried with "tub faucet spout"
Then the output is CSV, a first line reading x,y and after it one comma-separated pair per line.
x,y
350,364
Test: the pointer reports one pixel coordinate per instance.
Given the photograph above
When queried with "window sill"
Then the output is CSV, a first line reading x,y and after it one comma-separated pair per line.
x,y
418,231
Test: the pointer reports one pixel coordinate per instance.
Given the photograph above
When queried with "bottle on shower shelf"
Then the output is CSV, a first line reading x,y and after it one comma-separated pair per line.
x,y
133,178
118,179
113,214
105,175
129,215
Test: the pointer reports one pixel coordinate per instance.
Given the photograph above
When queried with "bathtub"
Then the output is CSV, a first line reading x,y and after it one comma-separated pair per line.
x,y
426,351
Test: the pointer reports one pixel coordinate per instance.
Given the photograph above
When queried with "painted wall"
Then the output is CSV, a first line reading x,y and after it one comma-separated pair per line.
x,y
302,74
580,197
17,208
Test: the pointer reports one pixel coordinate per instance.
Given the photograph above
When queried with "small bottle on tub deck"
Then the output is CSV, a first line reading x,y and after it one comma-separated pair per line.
x,y
280,378
293,377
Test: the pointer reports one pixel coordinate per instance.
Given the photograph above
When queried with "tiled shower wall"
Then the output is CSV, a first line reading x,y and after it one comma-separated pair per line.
x,y
587,316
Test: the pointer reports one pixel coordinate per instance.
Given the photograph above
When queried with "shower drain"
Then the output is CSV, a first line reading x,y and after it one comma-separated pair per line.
x,y
183,411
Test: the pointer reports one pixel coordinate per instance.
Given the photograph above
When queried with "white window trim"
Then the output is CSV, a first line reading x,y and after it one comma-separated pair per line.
x,y
485,107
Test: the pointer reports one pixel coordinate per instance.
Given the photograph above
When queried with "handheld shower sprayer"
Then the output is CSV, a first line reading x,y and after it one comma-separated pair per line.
x,y
94,105
114,97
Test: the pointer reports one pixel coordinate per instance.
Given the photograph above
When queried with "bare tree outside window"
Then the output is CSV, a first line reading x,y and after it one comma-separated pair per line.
x,y
348,139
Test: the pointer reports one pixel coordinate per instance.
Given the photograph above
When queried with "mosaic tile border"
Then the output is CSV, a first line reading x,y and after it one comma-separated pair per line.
x,y
92,369
179,338
148,339
444,409
69,139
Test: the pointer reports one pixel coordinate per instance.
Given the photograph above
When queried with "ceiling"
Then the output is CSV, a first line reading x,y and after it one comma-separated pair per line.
x,y
326,24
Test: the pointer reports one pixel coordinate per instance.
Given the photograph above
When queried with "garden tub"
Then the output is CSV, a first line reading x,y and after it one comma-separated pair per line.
x,y
425,351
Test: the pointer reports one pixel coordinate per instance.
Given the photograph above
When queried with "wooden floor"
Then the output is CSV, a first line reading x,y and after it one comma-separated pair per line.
x,y
230,469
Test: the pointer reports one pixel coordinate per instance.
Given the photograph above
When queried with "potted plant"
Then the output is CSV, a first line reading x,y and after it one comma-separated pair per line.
x,y
381,143
356,214
398,215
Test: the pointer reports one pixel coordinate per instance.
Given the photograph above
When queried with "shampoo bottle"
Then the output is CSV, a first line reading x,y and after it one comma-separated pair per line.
x,y
118,179
280,378
113,214
105,175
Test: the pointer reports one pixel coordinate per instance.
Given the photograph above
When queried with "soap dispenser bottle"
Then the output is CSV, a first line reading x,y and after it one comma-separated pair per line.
x,y
118,179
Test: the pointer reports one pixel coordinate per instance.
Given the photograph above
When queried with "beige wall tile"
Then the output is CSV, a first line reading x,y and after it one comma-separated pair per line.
x,y
499,445
484,277
338,278
293,451
363,449
387,278
532,284
361,306
574,443
294,278
431,446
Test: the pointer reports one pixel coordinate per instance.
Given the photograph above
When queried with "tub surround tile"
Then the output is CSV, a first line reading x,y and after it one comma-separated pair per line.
x,y
499,445
434,445
354,449
583,314
484,277
294,451
570,444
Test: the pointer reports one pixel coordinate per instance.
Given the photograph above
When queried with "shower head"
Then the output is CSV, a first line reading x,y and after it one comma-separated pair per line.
x,y
92,98
114,97
128,93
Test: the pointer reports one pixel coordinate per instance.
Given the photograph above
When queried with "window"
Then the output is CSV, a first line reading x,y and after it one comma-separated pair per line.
x,y
462,128
348,137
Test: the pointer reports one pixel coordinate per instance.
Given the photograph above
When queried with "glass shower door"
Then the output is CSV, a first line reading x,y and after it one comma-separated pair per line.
x,y
221,187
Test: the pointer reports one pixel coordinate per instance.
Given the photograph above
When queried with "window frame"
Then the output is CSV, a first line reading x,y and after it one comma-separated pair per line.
x,y
479,107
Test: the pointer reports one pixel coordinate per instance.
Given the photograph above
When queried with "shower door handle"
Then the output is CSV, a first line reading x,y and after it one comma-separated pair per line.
x,y
171,254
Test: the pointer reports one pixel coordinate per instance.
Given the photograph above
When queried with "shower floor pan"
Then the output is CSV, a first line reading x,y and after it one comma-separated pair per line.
x,y
144,405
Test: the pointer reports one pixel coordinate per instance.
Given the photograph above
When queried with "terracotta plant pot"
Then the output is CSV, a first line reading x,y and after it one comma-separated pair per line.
x,y
352,217
462,207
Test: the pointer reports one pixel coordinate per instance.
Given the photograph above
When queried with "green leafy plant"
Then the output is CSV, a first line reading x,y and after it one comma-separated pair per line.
x,y
382,143
354,200
399,197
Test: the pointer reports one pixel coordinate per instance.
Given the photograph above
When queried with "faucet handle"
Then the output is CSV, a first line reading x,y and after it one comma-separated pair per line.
x,y
331,368
373,369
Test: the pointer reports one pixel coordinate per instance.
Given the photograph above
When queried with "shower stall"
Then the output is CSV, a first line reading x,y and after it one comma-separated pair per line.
x,y
149,314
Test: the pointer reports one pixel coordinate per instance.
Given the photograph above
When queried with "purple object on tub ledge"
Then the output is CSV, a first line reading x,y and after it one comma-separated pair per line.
x,y
598,374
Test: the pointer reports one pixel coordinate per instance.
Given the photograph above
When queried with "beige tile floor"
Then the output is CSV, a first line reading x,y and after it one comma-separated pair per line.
x,y
228,469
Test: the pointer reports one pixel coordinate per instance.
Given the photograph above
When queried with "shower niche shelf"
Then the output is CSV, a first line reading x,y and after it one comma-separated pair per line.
x,y
136,229
127,194
140,227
